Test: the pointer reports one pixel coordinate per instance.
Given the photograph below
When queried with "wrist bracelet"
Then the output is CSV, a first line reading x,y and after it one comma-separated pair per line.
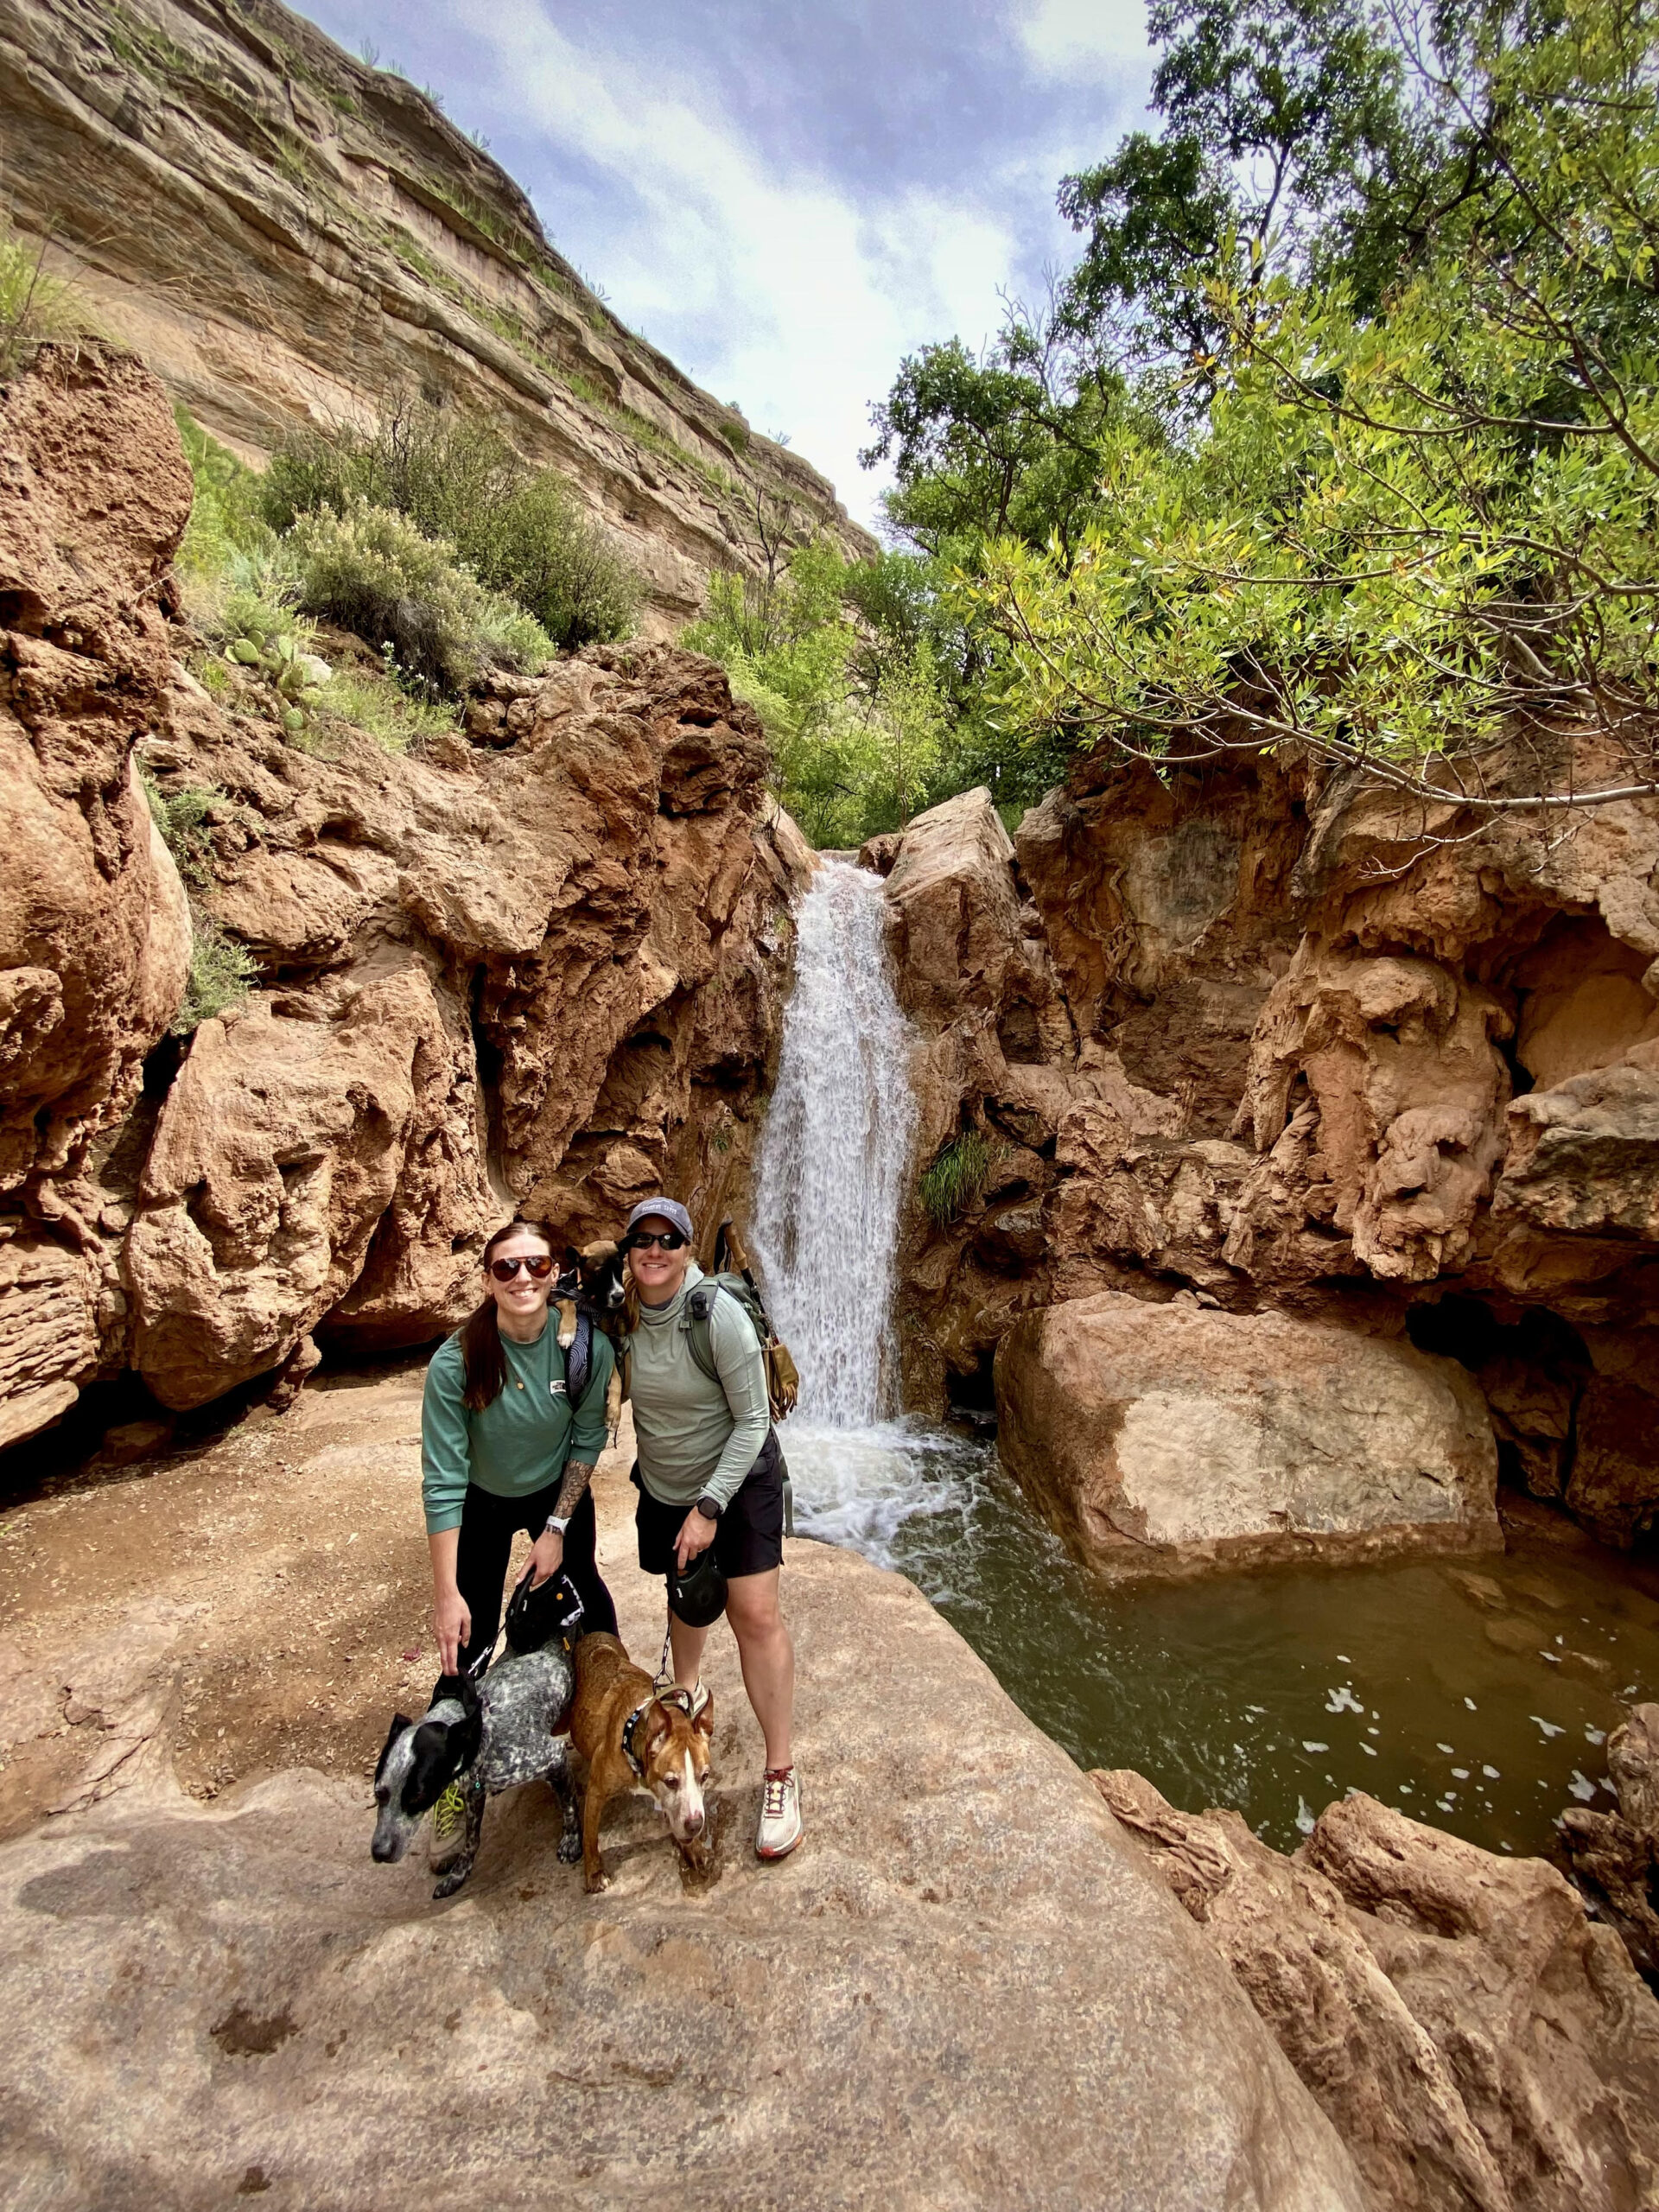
x,y
554,1526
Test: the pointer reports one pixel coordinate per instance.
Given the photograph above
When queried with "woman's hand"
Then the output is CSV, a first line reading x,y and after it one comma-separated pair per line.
x,y
546,1556
452,1623
697,1532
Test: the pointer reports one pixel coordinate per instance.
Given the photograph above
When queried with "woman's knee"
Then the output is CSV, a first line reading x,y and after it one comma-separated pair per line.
x,y
752,1605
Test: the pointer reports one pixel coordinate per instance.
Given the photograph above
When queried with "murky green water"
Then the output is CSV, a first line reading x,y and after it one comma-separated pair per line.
x,y
1476,1695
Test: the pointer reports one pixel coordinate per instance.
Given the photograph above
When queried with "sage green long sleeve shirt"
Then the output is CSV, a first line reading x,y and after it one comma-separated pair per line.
x,y
521,1442
696,1435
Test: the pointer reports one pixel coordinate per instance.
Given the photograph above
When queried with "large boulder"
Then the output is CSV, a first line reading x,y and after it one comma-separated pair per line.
x,y
1165,1438
282,1145
1477,2042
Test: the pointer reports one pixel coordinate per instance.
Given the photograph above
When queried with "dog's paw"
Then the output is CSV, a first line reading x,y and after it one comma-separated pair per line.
x,y
594,1883
452,1879
569,1849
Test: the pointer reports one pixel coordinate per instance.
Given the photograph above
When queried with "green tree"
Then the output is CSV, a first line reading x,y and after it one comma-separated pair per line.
x,y
1420,543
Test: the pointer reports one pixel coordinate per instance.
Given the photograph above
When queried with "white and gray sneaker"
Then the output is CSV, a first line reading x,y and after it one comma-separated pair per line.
x,y
780,1814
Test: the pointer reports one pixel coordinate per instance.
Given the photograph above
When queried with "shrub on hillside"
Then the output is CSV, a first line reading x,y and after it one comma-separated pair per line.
x,y
456,479
373,572
561,566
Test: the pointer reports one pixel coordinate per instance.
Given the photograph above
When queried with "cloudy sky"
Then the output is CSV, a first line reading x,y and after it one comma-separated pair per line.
x,y
786,197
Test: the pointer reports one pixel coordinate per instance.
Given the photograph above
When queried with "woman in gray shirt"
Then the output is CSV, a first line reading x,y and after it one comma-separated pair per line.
x,y
710,1473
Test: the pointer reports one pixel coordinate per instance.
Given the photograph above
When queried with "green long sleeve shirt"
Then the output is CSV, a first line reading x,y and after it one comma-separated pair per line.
x,y
696,1434
520,1443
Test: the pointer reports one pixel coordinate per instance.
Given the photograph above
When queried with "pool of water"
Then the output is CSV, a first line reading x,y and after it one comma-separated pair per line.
x,y
1474,1694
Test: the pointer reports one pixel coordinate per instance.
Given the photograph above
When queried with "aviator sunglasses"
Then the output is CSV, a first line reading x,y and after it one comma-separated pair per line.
x,y
643,1239
539,1268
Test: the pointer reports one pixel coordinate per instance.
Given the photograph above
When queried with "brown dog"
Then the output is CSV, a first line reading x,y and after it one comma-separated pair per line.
x,y
633,1739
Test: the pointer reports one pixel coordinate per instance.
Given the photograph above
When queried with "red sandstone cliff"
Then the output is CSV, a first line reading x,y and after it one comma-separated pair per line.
x,y
540,964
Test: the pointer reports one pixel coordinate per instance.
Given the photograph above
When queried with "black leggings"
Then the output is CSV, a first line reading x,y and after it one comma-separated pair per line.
x,y
488,1525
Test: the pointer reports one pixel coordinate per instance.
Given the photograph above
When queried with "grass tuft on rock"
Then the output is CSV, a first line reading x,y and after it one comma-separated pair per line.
x,y
182,817
34,305
222,972
953,1178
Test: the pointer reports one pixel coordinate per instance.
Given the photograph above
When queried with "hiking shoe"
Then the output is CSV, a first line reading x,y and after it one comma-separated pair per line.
x,y
780,1814
449,1826
665,1686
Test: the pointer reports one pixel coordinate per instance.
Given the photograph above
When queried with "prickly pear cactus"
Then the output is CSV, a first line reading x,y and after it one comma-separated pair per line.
x,y
295,675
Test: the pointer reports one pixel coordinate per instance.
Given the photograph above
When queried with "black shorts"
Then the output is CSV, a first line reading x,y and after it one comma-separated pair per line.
x,y
750,1536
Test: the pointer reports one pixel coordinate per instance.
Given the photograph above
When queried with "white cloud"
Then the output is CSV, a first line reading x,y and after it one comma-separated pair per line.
x,y
1083,37
798,304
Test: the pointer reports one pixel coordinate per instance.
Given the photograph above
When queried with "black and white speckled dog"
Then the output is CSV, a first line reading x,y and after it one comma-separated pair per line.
x,y
489,1737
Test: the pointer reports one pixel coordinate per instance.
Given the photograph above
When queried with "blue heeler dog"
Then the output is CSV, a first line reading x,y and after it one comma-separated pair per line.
x,y
488,1736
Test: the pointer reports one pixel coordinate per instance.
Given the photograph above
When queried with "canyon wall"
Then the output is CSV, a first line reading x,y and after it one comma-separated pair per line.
x,y
542,963
288,235
1235,1039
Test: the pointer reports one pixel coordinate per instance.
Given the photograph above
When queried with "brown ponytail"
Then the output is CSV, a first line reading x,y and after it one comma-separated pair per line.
x,y
484,1364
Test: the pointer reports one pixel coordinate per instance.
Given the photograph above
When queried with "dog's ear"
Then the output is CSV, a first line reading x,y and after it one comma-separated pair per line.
x,y
703,1722
658,1725
466,1734
436,1762
398,1723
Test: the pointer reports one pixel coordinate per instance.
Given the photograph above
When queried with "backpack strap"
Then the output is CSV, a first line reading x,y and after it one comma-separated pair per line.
x,y
579,1361
699,1316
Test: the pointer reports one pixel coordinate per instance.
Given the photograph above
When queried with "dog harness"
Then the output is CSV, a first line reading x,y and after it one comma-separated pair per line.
x,y
631,1725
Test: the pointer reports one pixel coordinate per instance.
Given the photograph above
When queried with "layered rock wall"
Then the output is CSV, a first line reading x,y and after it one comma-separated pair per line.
x,y
1235,1039
540,964
291,236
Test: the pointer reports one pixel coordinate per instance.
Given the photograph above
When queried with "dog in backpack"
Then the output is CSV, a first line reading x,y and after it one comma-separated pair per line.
x,y
590,1282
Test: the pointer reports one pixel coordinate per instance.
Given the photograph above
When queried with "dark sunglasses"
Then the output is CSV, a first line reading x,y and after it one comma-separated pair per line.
x,y
643,1239
538,1270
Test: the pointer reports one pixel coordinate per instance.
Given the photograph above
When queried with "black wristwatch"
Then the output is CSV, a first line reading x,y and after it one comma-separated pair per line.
x,y
709,1508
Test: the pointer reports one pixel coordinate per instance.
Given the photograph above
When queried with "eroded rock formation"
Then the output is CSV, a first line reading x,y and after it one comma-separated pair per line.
x,y
291,235
542,964
1478,2044
1308,1049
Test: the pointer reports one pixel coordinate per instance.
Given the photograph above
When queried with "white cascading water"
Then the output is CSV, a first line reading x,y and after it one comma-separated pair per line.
x,y
834,1169
836,1155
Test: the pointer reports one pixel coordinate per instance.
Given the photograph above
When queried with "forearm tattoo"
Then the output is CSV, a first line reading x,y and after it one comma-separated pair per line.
x,y
576,1479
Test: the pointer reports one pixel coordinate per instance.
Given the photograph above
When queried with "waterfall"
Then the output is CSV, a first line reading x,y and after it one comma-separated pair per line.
x,y
835,1153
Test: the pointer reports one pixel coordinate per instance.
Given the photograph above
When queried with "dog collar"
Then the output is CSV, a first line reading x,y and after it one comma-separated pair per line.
x,y
630,1727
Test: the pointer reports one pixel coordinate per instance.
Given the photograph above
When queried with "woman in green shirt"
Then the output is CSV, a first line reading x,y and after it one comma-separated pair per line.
x,y
502,1448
